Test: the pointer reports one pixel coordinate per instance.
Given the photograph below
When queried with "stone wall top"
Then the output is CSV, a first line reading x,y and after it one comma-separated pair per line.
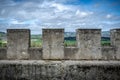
x,y
53,30
88,45
85,31
18,30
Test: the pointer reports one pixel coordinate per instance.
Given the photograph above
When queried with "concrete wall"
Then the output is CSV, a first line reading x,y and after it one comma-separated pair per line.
x,y
35,53
3,53
70,53
88,46
89,43
59,70
53,43
115,41
18,43
67,62
109,53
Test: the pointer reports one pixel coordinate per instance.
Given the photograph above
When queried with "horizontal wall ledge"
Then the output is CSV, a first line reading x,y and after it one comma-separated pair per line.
x,y
59,70
65,62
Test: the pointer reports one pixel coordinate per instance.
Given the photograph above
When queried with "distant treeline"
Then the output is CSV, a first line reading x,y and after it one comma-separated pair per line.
x,y
70,38
105,38
74,38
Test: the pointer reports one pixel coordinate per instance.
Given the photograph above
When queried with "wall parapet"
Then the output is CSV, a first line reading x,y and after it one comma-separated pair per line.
x,y
88,46
59,70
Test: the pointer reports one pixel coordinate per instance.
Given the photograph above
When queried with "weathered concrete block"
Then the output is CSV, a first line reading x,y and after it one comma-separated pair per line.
x,y
92,70
115,41
70,53
108,53
3,53
18,42
53,47
59,70
89,43
35,53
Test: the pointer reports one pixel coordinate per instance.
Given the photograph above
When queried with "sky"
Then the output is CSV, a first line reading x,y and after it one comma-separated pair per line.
x,y
67,14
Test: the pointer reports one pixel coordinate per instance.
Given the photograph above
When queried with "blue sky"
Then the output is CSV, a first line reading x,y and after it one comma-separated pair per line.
x,y
68,14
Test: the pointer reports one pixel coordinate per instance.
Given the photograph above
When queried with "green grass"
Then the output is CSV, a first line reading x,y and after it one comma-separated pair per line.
x,y
3,43
38,43
105,42
69,43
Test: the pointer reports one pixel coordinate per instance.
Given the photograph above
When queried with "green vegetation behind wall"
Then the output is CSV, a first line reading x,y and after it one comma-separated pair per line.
x,y
36,41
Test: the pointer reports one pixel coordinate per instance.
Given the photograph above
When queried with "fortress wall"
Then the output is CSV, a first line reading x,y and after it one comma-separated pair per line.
x,y
115,41
88,61
89,43
18,42
3,53
88,46
35,53
108,53
53,43
59,70
70,53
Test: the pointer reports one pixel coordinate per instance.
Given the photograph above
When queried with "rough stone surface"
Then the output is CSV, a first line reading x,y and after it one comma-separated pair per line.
x,y
3,53
18,43
35,53
88,46
53,46
108,53
70,53
115,41
89,43
59,70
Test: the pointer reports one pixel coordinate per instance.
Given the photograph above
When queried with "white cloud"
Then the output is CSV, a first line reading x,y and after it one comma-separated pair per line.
x,y
38,14
14,22
59,7
83,14
108,16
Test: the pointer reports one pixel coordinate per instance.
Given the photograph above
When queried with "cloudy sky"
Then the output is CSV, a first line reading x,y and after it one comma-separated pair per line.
x,y
68,14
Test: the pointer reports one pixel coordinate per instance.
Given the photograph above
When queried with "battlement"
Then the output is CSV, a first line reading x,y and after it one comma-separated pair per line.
x,y
87,61
88,46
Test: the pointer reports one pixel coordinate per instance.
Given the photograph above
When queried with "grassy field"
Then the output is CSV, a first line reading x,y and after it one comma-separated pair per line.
x,y
73,43
66,43
105,43
69,40
3,43
38,43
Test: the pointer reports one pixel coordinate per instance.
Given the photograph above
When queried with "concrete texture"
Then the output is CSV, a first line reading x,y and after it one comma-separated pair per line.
x,y
115,41
89,43
108,53
53,43
54,62
70,53
3,53
59,70
18,43
35,53
88,46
